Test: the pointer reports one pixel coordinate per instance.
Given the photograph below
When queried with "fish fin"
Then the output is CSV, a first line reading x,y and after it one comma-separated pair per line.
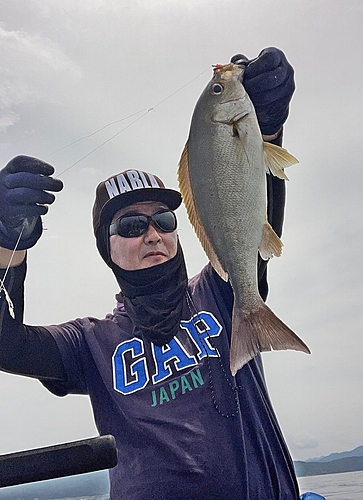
x,y
270,245
277,158
188,198
258,331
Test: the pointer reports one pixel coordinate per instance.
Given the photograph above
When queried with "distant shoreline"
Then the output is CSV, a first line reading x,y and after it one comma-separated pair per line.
x,y
347,464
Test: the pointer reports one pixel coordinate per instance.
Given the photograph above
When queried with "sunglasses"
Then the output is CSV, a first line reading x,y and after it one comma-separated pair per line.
x,y
132,226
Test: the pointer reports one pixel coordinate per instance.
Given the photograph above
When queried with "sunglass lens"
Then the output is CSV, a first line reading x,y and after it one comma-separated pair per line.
x,y
132,226
166,221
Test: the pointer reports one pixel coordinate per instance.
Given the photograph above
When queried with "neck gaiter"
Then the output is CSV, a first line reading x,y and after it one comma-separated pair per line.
x,y
153,297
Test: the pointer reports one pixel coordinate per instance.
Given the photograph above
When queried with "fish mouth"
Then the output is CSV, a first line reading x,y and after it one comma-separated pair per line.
x,y
228,71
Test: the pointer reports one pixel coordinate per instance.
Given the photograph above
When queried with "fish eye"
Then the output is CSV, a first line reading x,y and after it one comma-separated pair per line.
x,y
217,88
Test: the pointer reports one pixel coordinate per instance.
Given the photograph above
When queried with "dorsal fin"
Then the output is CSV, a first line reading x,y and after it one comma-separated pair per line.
x,y
188,198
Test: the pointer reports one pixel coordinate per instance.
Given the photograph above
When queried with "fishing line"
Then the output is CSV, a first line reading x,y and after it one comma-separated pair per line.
x,y
94,133
145,111
103,143
2,281
181,88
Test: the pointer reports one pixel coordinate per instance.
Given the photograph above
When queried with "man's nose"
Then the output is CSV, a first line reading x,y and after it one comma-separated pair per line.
x,y
152,235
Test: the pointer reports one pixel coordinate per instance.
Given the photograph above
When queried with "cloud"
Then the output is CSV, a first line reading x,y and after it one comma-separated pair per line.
x,y
302,442
32,68
8,119
37,48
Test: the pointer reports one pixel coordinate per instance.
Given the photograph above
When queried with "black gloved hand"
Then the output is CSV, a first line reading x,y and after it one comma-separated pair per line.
x,y
24,183
269,81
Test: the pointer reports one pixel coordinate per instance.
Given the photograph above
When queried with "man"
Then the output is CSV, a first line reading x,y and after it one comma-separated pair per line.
x,y
157,369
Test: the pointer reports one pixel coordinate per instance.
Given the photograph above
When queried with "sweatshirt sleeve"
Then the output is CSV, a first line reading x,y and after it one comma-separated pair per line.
x,y
27,350
275,216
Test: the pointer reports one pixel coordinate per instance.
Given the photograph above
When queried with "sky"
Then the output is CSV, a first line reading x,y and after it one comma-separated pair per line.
x,y
135,69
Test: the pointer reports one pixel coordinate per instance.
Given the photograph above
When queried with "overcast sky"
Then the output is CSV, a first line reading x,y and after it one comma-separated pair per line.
x,y
70,68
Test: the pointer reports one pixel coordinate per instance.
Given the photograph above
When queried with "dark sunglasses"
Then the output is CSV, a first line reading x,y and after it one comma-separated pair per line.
x,y
131,226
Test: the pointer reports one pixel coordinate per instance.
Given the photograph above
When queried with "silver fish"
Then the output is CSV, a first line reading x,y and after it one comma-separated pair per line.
x,y
222,178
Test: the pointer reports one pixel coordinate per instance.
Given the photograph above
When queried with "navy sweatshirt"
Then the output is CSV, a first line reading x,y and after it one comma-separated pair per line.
x,y
185,428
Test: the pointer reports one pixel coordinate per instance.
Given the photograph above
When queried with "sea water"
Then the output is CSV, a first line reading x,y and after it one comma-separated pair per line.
x,y
343,486
97,497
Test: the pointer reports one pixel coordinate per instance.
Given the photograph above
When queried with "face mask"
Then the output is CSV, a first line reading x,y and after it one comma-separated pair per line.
x,y
153,297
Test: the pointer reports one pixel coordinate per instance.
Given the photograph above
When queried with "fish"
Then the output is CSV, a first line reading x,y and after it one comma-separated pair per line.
x,y
222,179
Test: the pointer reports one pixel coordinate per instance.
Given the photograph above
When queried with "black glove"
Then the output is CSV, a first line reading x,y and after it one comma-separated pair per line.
x,y
24,183
269,81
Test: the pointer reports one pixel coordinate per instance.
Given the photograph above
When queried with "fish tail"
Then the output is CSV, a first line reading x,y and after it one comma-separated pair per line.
x,y
258,331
